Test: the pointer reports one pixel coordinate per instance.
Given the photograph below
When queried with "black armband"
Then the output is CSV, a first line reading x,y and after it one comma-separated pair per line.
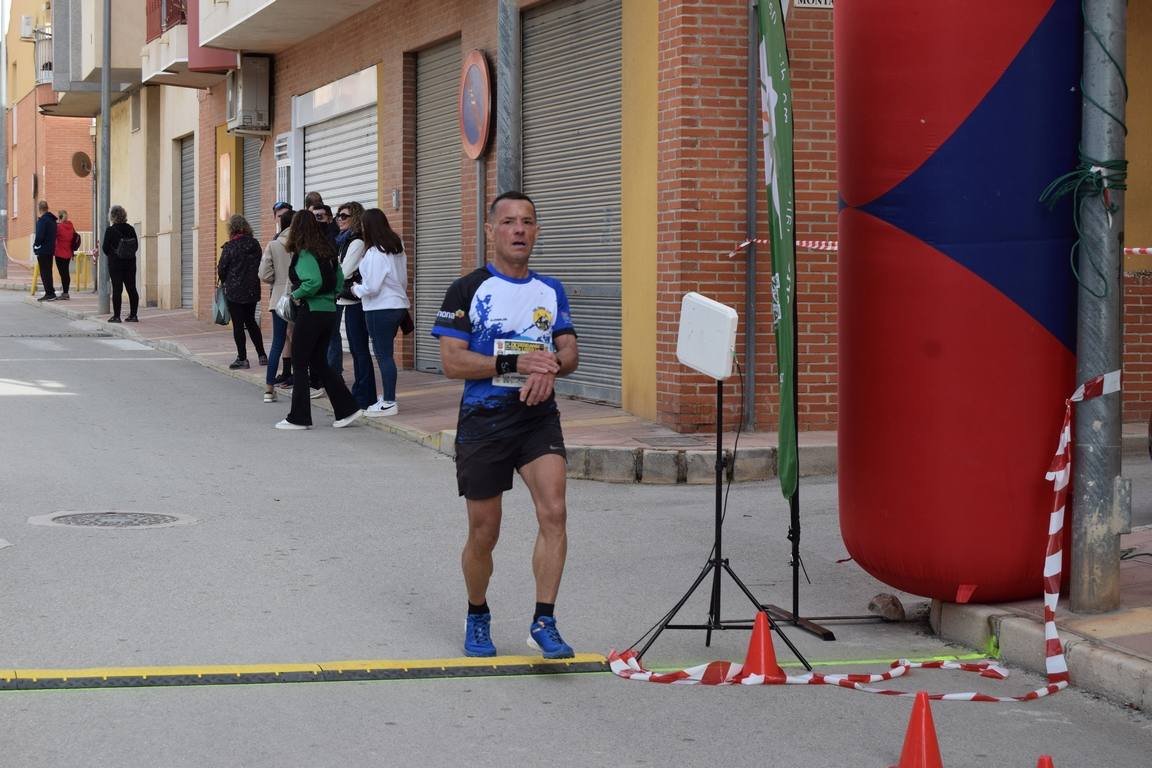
x,y
505,364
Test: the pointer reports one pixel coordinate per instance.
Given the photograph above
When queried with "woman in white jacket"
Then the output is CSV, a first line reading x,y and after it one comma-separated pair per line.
x,y
383,292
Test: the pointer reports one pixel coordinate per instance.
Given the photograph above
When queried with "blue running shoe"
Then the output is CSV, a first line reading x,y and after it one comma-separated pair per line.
x,y
478,635
546,638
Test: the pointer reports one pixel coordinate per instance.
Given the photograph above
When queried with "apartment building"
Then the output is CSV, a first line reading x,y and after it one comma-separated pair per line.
x,y
49,158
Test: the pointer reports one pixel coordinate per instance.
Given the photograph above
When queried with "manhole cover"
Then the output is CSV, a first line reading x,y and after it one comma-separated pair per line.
x,y
111,519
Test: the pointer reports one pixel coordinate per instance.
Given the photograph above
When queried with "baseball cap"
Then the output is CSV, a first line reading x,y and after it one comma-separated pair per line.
x,y
280,205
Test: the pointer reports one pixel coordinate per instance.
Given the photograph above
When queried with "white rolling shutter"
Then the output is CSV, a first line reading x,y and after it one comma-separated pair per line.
x,y
437,243
340,159
250,179
187,218
571,135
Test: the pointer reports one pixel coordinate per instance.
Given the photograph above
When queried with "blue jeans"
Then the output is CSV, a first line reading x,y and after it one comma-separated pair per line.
x,y
382,327
279,336
336,345
364,378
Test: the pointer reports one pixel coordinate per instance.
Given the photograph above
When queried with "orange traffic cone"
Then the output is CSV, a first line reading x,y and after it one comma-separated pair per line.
x,y
920,747
1045,761
761,657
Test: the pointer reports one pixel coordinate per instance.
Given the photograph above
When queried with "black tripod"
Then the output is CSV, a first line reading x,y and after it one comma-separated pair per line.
x,y
717,563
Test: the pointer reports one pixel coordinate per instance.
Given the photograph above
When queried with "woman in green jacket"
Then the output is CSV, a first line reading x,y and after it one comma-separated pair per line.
x,y
316,279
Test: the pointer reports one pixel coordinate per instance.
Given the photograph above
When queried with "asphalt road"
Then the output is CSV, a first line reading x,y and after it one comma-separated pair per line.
x,y
344,544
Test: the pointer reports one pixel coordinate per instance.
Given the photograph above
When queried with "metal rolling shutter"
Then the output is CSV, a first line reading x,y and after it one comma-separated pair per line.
x,y
437,244
250,178
187,218
571,135
340,159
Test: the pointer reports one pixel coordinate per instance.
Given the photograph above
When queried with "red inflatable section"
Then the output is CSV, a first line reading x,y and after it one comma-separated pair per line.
x,y
943,452
950,56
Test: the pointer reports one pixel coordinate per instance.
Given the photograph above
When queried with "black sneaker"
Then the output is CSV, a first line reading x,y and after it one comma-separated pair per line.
x,y
131,319
238,363
47,297
63,297
114,319
262,359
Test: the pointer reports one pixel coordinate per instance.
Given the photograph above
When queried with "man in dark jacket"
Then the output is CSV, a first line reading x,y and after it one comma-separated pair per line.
x,y
44,246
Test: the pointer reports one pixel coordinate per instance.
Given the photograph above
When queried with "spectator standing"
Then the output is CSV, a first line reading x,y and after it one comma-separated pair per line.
x,y
383,291
44,246
351,239
239,273
67,241
120,245
274,271
316,279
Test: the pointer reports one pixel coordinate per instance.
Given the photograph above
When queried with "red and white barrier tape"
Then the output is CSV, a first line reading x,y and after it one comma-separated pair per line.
x,y
626,665
801,245
832,246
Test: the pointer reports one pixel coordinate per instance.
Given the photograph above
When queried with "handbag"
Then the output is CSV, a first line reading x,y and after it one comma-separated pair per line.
x,y
220,314
406,324
285,308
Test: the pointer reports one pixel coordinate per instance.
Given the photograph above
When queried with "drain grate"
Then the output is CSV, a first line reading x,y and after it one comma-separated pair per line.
x,y
111,519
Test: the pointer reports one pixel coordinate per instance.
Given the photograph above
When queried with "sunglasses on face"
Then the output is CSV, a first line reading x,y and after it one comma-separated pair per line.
x,y
343,216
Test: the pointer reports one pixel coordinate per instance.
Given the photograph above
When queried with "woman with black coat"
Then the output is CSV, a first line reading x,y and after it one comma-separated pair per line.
x,y
239,273
120,245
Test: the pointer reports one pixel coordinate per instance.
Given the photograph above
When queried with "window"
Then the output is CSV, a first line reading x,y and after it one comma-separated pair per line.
x,y
135,111
14,123
15,197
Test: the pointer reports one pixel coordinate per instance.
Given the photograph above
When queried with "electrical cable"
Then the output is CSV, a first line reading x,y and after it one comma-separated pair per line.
x,y
1092,177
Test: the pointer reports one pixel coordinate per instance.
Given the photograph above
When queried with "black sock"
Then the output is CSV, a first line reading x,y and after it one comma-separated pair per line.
x,y
478,609
544,609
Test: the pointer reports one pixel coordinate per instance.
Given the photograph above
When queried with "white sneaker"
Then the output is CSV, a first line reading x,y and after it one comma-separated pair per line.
x,y
285,424
347,420
383,408
315,393
269,397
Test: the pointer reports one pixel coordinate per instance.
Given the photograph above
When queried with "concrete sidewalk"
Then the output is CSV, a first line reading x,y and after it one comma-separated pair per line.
x,y
1110,654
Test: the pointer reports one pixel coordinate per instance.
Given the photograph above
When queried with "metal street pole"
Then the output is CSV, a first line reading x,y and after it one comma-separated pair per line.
x,y
104,178
1097,511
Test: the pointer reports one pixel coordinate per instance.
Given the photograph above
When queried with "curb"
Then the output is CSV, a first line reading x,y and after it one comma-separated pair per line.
x,y
1119,676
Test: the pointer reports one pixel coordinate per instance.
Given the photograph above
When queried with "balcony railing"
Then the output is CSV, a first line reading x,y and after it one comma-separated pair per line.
x,y
162,15
43,56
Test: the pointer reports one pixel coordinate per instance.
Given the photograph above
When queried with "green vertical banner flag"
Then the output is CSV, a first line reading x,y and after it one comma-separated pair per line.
x,y
776,124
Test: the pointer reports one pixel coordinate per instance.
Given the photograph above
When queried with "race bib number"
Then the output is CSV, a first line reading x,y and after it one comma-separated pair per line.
x,y
515,347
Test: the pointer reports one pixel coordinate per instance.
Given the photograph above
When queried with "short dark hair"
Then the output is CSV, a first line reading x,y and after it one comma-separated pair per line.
x,y
313,200
286,219
511,194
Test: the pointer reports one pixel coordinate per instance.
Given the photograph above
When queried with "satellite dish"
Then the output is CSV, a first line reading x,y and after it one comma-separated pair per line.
x,y
81,164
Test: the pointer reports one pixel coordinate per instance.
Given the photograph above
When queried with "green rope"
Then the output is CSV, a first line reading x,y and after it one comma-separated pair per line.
x,y
1092,177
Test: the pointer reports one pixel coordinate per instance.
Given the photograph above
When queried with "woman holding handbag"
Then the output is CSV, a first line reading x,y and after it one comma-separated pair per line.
x,y
238,271
316,280
383,292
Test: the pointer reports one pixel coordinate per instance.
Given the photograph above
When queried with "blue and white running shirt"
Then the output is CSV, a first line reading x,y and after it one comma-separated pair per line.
x,y
497,314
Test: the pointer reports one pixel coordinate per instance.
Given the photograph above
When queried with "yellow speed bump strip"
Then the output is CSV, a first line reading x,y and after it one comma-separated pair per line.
x,y
327,672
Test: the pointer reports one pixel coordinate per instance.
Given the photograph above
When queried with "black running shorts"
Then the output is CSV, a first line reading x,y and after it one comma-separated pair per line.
x,y
485,469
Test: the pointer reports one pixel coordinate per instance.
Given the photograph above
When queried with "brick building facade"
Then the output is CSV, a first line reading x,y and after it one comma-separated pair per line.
x,y
684,177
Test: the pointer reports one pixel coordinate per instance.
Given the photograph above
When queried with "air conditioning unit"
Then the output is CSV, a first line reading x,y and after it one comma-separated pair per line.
x,y
248,99
26,28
